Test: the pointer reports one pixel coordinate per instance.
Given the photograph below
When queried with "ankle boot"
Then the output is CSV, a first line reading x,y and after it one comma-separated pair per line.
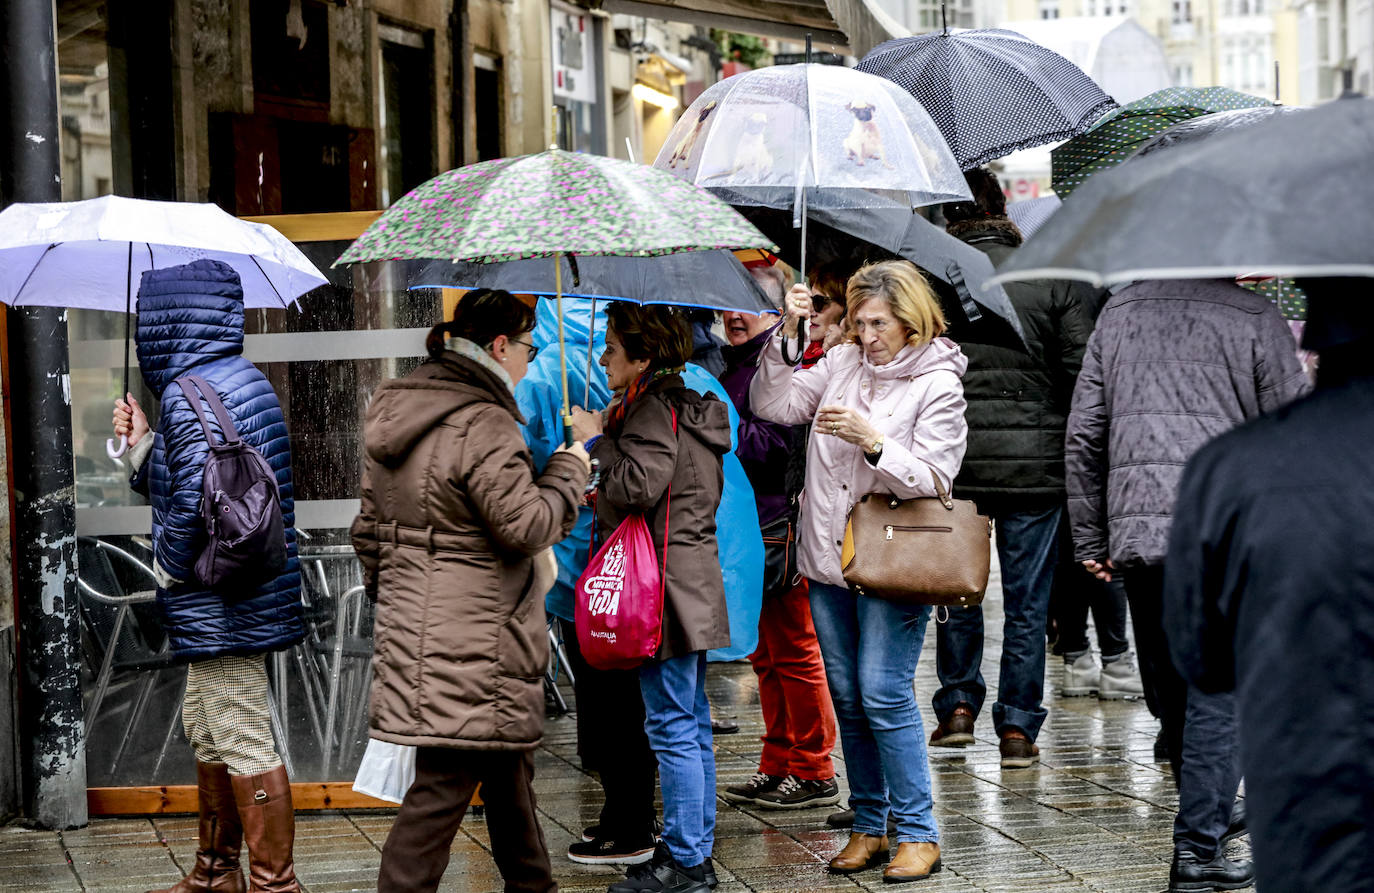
x,y
269,829
862,852
217,854
914,861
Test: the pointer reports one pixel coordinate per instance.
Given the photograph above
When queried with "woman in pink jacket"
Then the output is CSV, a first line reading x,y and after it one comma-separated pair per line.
x,y
886,411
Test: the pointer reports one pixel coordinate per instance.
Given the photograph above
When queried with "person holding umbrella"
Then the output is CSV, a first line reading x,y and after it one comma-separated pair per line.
x,y
190,321
660,447
454,538
886,412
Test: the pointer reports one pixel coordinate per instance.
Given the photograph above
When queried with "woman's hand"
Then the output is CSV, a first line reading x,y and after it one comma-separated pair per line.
x,y
847,425
834,334
580,452
797,307
129,420
585,425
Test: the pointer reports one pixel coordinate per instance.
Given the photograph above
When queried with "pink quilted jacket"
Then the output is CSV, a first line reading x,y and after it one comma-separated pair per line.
x,y
916,400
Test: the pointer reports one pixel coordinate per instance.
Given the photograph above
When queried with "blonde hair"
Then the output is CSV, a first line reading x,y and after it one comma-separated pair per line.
x,y
906,291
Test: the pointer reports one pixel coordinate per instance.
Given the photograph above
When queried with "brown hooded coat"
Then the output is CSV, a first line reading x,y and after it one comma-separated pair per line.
x,y
637,466
452,513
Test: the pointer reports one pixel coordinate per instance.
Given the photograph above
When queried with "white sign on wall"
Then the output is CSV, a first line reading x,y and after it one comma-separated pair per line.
x,y
574,65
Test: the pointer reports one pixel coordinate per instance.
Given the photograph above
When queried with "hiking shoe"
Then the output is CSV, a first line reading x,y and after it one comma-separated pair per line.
x,y
611,850
801,793
758,783
1081,676
1121,679
1189,873
1018,751
955,730
662,874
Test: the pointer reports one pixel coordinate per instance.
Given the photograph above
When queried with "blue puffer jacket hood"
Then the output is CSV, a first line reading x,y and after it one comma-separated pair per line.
x,y
190,319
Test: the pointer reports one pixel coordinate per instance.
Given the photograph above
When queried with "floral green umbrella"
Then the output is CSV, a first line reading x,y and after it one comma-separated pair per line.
x,y
1116,137
548,205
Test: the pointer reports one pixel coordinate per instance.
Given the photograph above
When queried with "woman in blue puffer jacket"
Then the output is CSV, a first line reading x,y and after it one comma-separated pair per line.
x,y
190,321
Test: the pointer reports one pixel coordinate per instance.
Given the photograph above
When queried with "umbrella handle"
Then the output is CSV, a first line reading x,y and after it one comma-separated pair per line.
x,y
114,452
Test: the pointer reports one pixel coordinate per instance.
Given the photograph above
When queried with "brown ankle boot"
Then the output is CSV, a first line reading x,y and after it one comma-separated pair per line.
x,y
862,852
217,854
269,829
914,860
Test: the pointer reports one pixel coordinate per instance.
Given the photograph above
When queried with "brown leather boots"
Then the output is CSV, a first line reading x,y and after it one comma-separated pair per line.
x,y
269,829
912,862
233,810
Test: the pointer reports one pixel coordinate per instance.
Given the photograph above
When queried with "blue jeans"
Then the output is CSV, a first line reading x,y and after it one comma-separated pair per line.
x,y
678,722
1028,550
871,648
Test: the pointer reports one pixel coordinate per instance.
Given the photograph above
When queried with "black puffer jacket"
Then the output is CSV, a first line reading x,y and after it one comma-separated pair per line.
x,y
1018,403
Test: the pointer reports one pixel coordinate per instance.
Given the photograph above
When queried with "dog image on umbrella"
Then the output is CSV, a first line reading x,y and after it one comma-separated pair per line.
x,y
864,140
688,143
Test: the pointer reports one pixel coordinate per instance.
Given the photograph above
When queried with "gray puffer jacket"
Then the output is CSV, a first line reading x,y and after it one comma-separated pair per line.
x,y
1171,365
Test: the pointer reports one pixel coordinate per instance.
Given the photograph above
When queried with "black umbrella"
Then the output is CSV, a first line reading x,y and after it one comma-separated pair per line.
x,y
976,310
991,92
1286,197
712,279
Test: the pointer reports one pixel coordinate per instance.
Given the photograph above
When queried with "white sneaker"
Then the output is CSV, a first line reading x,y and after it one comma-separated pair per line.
x,y
1080,677
1120,680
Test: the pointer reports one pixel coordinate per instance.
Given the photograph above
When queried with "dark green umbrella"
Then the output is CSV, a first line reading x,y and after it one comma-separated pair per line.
x,y
1120,133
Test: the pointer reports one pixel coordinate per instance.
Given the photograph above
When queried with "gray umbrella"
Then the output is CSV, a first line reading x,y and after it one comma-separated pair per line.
x,y
1030,214
712,279
1284,197
1210,125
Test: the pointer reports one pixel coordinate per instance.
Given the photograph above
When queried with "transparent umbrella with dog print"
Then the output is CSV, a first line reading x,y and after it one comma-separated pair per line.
x,y
813,136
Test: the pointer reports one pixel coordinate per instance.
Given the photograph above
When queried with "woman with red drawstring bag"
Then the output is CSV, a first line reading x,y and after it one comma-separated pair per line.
x,y
660,449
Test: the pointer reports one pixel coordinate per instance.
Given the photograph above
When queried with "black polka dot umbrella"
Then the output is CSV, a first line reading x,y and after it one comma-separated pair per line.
x,y
991,92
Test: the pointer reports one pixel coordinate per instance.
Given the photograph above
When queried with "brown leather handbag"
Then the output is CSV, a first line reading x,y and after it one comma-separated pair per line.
x,y
926,551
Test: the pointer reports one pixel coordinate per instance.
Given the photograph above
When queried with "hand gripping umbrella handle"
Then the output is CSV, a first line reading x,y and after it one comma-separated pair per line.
x,y
114,452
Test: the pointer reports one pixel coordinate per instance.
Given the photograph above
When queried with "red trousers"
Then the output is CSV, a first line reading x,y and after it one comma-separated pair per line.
x,y
799,721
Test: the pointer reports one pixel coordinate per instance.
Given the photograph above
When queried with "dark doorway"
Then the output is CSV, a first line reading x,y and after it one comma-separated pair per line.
x,y
407,116
487,97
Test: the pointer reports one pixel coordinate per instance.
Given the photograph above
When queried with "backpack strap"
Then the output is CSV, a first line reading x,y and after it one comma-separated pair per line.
x,y
209,395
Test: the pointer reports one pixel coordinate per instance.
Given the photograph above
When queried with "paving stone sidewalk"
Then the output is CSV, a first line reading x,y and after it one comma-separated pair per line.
x,y
1095,815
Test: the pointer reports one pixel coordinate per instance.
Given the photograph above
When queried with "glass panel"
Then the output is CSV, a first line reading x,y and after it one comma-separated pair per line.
x,y
83,67
361,329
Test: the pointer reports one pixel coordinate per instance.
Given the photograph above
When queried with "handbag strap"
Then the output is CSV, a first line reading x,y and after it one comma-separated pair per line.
x,y
945,499
667,514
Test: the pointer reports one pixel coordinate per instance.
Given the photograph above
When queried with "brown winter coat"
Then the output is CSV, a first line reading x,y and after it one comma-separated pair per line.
x,y
452,512
636,468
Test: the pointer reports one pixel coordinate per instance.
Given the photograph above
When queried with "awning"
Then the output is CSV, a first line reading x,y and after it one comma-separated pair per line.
x,y
856,25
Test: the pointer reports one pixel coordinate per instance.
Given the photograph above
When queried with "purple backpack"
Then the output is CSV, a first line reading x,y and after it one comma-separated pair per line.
x,y
245,536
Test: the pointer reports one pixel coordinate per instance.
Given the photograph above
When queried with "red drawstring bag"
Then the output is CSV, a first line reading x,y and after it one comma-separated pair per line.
x,y
619,598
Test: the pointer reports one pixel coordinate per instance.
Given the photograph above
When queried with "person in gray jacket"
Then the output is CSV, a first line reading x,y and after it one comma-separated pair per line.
x,y
1170,366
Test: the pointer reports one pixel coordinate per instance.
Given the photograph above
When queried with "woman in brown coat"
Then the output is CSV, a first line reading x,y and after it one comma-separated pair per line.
x,y
660,455
453,537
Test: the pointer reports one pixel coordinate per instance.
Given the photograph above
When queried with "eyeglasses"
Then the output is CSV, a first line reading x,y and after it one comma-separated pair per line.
x,y
534,351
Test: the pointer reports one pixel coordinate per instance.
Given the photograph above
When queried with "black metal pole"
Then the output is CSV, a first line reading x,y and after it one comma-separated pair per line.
x,y
53,759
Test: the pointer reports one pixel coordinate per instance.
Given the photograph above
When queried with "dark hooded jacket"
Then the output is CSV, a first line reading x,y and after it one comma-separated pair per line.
x,y
453,510
190,320
1018,401
765,448
637,465
1269,590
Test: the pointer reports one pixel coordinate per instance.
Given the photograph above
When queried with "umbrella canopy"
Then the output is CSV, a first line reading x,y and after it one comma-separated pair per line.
x,y
822,134
1209,125
89,254
552,203
991,92
715,280
962,272
1117,136
1262,200
1030,214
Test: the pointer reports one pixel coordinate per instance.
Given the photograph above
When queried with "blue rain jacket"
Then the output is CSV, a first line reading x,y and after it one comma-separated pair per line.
x,y
190,319
540,395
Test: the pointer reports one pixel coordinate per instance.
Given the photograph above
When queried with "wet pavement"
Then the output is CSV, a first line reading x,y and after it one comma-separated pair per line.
x,y
1095,815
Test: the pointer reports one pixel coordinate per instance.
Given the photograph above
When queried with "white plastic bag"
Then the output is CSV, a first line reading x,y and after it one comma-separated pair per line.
x,y
386,772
